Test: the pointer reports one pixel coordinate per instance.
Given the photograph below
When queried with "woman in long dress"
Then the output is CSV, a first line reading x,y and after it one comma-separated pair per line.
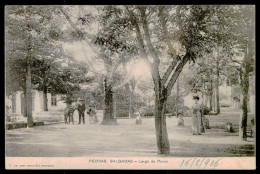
x,y
92,113
196,116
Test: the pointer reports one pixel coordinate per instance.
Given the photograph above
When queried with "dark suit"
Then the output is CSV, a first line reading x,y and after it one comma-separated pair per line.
x,y
81,109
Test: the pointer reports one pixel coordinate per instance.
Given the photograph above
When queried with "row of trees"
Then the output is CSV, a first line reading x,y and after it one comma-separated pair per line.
x,y
165,37
35,58
232,58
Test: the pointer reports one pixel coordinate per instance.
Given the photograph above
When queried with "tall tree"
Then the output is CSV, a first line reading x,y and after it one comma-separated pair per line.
x,y
131,85
217,84
247,63
69,79
241,43
190,21
111,42
28,70
115,43
22,32
37,24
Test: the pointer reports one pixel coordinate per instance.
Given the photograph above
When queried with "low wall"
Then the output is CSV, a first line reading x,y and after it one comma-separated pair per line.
x,y
21,125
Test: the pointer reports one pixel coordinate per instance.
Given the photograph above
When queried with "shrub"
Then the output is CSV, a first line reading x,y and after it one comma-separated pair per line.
x,y
147,111
205,110
184,110
224,105
122,113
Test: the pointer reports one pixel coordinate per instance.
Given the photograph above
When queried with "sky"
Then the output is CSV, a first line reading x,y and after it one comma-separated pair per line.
x,y
83,53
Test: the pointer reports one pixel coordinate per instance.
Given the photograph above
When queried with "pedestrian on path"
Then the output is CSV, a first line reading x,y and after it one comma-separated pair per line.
x,y
180,119
70,113
92,113
81,109
196,116
66,114
95,117
139,116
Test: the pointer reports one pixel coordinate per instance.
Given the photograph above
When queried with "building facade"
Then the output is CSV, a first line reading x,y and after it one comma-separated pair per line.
x,y
16,102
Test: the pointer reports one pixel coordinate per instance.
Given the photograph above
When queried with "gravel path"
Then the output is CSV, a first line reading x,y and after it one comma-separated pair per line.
x,y
126,139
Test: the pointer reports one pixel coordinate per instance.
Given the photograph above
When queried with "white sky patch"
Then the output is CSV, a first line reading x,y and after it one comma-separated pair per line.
x,y
90,86
139,69
239,58
77,51
202,33
82,52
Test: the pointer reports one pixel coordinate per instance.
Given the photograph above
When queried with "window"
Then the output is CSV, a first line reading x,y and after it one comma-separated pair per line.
x,y
53,100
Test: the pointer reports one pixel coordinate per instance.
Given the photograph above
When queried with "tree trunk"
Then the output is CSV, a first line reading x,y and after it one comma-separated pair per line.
x,y
206,100
28,75
131,104
163,145
214,101
245,88
29,96
243,116
210,95
203,93
161,91
248,102
178,93
108,117
131,100
210,101
25,105
45,99
114,108
217,89
238,105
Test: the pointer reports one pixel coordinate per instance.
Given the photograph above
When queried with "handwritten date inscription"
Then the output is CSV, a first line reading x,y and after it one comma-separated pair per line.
x,y
200,163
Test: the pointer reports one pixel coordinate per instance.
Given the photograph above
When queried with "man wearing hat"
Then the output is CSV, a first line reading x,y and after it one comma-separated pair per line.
x,y
81,109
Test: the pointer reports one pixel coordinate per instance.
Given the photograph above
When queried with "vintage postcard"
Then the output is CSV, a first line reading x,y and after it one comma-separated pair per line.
x,y
130,87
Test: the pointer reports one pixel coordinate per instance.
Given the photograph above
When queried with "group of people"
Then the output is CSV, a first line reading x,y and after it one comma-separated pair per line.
x,y
80,106
198,120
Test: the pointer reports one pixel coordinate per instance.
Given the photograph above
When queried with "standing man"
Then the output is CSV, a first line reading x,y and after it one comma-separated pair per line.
x,y
70,113
81,109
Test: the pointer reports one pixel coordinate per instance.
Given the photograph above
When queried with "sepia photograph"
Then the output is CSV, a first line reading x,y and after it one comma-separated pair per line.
x,y
130,87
